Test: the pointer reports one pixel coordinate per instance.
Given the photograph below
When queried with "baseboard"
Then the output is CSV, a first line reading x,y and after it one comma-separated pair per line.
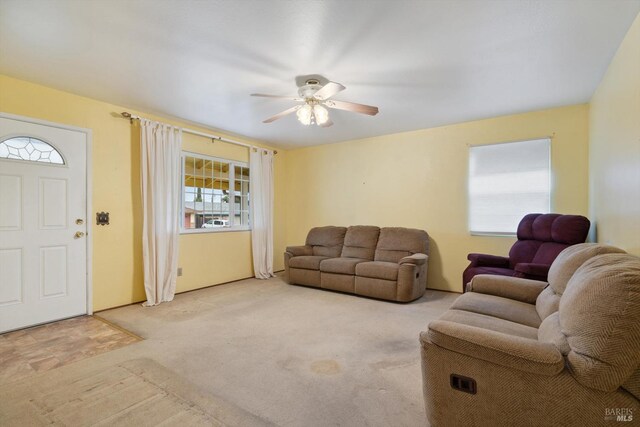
x,y
182,292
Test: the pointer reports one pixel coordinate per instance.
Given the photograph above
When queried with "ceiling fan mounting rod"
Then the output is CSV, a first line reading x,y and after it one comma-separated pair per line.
x,y
308,90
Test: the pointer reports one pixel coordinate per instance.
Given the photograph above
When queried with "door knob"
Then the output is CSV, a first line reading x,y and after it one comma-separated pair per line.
x,y
78,234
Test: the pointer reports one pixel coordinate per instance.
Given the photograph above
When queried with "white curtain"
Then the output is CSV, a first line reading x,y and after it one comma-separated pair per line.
x,y
261,190
160,148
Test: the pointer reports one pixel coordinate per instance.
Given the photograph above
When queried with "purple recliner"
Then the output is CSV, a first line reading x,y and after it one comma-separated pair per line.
x,y
541,237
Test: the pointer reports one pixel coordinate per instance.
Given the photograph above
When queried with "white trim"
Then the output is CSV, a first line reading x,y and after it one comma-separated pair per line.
x,y
549,137
552,181
89,220
492,234
88,194
231,179
468,176
215,159
213,230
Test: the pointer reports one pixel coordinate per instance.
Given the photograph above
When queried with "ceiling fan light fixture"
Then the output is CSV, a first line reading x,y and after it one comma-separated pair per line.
x,y
315,100
321,114
304,114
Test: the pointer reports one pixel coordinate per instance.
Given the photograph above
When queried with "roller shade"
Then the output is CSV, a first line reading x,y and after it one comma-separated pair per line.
x,y
506,182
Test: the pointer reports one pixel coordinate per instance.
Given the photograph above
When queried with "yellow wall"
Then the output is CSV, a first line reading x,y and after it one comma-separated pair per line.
x,y
206,259
419,179
614,150
413,179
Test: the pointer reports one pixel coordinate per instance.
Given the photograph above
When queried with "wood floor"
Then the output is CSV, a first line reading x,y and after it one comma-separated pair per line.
x,y
49,346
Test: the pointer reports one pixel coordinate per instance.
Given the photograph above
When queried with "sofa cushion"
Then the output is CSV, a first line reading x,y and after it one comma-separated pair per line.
x,y
571,259
340,265
570,229
396,243
536,226
378,270
376,288
498,271
360,241
632,384
490,322
326,241
547,303
566,229
523,251
307,262
600,315
565,265
550,331
337,282
305,277
514,288
503,308
541,237
548,252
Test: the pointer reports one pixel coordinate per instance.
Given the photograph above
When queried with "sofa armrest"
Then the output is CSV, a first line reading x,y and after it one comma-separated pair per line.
x,y
514,352
417,259
486,260
300,250
514,288
531,270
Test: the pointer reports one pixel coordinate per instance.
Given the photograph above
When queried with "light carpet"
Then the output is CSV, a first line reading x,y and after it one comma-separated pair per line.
x,y
289,355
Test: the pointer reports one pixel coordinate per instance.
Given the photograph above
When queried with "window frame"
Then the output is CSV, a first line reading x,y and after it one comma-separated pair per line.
x,y
468,182
232,194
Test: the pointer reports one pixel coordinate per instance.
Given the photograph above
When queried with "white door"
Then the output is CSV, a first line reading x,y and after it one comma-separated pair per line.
x,y
43,224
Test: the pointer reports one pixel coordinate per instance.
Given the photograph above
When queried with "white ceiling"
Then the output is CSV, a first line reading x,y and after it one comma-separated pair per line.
x,y
424,63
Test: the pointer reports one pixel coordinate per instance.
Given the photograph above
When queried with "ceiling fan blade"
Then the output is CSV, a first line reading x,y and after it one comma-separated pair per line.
x,y
282,114
326,124
290,98
352,106
328,91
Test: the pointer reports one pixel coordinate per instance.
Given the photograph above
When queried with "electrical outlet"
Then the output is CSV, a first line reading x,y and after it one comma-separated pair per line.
x,y
179,271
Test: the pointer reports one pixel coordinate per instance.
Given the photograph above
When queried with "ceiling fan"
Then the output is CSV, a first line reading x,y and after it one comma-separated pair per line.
x,y
315,98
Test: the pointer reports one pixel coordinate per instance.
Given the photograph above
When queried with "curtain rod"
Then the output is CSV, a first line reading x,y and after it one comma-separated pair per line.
x,y
130,116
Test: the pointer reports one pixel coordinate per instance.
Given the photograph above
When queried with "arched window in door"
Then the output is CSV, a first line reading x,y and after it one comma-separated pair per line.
x,y
29,149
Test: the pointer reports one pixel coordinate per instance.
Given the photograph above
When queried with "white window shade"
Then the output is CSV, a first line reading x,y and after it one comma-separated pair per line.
x,y
506,182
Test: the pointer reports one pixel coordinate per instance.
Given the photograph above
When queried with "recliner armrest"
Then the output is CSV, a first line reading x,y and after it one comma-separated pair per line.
x,y
299,250
514,288
486,260
518,353
529,269
417,259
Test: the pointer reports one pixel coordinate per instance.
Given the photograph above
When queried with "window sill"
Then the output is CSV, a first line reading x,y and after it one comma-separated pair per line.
x,y
492,234
213,230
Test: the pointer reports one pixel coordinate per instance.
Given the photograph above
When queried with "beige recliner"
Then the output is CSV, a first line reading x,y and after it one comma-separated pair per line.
x,y
520,352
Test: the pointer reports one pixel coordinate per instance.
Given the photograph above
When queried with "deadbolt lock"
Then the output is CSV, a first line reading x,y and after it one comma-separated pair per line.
x,y
79,221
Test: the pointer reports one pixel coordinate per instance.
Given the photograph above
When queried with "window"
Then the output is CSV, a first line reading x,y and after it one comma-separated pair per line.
x,y
215,194
29,149
506,182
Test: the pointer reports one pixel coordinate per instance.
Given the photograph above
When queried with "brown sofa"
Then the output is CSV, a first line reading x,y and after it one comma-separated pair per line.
x,y
513,351
388,263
